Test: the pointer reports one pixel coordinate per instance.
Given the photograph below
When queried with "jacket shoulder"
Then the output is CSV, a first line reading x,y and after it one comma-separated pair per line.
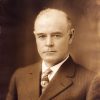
x,y
85,76
26,69
85,72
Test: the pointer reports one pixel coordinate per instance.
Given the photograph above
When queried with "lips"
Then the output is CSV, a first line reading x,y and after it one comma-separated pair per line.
x,y
49,51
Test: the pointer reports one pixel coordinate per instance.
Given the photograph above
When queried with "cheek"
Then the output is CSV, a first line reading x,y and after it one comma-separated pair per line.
x,y
38,43
40,46
62,47
62,44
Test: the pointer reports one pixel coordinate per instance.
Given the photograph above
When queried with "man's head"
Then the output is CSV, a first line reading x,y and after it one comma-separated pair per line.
x,y
54,33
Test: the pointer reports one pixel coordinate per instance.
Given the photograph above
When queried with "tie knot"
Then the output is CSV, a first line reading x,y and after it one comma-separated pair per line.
x,y
44,78
47,72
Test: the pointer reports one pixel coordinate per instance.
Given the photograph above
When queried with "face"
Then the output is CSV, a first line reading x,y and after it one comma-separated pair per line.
x,y
52,37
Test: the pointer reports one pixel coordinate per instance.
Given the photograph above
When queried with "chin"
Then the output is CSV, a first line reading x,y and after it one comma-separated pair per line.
x,y
52,60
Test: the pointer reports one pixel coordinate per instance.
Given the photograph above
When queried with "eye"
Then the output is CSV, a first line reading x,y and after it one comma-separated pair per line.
x,y
57,35
42,36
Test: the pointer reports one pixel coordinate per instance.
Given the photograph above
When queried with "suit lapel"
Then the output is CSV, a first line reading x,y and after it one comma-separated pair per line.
x,y
61,81
34,80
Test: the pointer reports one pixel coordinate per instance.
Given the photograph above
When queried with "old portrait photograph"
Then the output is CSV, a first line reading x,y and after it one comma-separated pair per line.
x,y
50,49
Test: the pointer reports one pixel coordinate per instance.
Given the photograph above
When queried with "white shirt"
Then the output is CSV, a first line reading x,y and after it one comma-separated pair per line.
x,y
53,68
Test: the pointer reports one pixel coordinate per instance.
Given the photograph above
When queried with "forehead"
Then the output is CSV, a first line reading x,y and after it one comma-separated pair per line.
x,y
51,18
51,12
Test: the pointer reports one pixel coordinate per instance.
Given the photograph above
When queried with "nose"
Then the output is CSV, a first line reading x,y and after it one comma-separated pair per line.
x,y
49,41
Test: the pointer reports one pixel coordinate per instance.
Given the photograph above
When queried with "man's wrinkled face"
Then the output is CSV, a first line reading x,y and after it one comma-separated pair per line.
x,y
52,36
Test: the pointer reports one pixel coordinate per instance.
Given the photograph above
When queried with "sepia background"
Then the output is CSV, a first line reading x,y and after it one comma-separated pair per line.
x,y
17,44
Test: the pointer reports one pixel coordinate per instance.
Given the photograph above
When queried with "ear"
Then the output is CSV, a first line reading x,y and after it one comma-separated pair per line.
x,y
71,35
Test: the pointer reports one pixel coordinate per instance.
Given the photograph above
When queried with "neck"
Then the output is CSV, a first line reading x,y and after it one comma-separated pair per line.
x,y
50,64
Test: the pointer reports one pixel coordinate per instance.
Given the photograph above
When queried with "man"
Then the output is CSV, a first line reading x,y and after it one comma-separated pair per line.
x,y
65,79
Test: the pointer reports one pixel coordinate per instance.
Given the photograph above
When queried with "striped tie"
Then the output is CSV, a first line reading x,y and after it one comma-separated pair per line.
x,y
45,79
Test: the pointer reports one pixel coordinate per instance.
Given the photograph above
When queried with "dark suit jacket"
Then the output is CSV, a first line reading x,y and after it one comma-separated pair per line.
x,y
94,91
71,82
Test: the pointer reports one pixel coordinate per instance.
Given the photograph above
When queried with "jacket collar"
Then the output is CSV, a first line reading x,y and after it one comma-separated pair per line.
x,y
33,76
61,81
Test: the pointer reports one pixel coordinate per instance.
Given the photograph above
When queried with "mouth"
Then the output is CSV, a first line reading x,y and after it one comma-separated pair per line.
x,y
49,51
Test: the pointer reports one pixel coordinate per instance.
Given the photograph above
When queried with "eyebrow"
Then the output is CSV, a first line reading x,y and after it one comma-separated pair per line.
x,y
57,33
51,33
40,34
